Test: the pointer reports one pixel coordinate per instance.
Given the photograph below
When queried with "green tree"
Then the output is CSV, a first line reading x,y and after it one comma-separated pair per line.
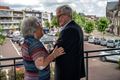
x,y
102,24
19,25
47,24
19,74
54,22
2,38
79,19
89,26
2,75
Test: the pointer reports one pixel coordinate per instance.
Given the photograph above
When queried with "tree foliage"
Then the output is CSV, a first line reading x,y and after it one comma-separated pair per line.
x,y
78,18
54,22
2,38
89,26
47,24
19,74
2,75
102,24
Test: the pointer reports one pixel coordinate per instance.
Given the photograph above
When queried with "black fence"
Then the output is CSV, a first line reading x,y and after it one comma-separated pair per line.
x,y
86,58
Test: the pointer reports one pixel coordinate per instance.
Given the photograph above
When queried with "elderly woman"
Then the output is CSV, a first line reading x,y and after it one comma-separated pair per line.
x,y
36,59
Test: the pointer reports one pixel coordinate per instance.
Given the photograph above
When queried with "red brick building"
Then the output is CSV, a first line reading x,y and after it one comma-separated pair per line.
x,y
4,7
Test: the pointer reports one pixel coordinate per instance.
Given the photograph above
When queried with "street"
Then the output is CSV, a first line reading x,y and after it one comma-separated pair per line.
x,y
98,70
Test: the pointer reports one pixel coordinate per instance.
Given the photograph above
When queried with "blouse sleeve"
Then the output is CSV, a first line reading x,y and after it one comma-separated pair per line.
x,y
37,50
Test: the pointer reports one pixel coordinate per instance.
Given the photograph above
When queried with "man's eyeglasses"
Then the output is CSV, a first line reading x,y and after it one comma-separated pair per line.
x,y
60,15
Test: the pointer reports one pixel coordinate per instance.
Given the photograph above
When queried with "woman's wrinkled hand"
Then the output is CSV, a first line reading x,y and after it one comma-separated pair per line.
x,y
58,51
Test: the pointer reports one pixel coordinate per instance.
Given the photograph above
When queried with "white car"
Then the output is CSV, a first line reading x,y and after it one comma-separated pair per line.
x,y
112,58
103,42
46,39
118,45
91,39
52,33
110,43
16,33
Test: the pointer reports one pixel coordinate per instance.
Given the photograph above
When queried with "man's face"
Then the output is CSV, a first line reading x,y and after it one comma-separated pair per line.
x,y
61,18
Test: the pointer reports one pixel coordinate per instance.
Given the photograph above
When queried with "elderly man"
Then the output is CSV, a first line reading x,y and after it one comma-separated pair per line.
x,y
71,65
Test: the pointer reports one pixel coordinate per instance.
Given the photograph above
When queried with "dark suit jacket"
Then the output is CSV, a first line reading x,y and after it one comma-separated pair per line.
x,y
71,65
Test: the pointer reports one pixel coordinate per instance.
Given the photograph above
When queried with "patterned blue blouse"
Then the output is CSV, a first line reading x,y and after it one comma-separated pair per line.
x,y
31,50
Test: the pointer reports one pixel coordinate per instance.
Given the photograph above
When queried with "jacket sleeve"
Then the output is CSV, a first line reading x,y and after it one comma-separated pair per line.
x,y
68,39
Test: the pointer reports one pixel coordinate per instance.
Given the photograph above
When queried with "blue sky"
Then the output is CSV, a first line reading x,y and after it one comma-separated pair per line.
x,y
89,7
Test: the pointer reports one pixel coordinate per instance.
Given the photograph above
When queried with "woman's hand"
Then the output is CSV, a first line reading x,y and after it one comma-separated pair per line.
x,y
58,52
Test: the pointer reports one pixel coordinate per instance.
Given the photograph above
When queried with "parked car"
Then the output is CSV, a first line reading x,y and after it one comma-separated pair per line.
x,y
86,37
112,58
49,47
46,30
16,38
10,35
52,33
118,45
103,42
20,41
91,39
97,41
16,33
117,41
1,56
110,43
46,39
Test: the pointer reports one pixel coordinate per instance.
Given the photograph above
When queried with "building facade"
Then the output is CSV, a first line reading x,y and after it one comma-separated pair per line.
x,y
113,14
10,19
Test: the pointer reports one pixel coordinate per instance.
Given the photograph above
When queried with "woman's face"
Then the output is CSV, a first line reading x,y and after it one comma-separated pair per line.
x,y
39,32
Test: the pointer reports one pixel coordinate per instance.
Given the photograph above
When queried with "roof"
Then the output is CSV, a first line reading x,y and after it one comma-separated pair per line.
x,y
4,7
112,5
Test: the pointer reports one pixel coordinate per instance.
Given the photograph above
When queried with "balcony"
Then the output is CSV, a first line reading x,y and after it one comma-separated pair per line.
x,y
18,15
15,64
9,21
6,16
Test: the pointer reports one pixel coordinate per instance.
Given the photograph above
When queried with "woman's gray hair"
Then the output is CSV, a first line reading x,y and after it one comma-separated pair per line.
x,y
65,9
29,26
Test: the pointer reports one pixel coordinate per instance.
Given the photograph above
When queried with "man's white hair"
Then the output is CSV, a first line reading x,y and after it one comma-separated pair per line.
x,y
29,25
65,9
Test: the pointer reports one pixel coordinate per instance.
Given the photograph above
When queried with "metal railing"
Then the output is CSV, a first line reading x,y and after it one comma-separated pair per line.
x,y
86,58
14,63
93,51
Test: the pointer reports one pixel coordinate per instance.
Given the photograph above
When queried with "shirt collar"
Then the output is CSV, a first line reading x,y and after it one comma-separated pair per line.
x,y
62,27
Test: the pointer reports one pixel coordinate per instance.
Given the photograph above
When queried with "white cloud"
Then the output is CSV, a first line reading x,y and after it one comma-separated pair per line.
x,y
41,7
90,11
25,2
101,3
88,1
73,6
59,1
51,1
85,1
86,6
